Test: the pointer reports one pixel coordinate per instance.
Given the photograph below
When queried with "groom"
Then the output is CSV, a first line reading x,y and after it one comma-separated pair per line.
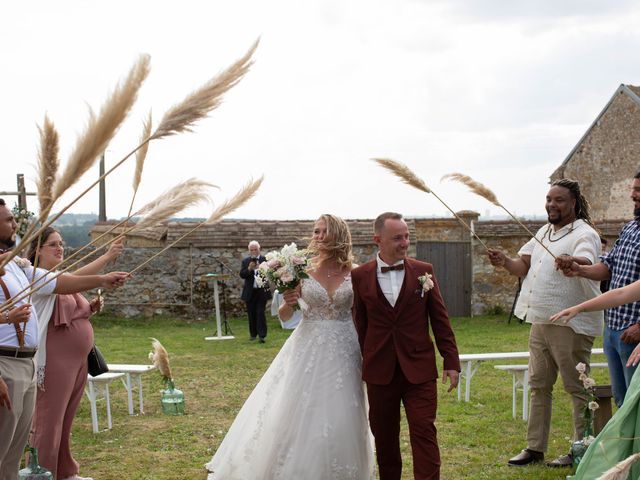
x,y
392,314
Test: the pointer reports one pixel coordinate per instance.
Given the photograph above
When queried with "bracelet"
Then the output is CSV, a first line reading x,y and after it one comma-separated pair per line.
x,y
6,316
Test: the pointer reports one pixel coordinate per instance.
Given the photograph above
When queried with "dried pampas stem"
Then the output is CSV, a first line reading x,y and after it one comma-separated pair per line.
x,y
622,470
479,189
160,359
407,176
227,207
141,155
403,172
197,105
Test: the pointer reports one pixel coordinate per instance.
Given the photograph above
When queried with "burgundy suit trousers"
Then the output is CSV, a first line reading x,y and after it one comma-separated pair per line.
x,y
420,404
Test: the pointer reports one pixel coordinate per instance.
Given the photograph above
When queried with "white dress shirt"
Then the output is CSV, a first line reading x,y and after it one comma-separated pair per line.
x,y
16,279
390,282
546,291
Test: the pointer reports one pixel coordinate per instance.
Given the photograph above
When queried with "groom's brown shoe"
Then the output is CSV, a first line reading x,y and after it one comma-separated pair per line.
x,y
525,457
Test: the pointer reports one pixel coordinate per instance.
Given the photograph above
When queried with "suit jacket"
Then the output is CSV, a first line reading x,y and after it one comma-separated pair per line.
x,y
400,334
248,292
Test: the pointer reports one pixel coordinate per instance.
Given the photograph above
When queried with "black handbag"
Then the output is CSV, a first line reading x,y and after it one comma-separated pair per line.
x,y
96,362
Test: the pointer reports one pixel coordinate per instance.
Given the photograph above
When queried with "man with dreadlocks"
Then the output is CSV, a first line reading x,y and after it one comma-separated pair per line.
x,y
622,266
553,347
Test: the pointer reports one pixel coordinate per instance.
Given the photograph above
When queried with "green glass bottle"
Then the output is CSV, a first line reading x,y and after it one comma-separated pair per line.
x,y
33,471
172,400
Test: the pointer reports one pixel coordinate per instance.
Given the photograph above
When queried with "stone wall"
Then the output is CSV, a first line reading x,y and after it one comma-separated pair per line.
x,y
175,282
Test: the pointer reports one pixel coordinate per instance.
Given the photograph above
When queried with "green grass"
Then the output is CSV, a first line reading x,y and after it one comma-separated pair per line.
x,y
476,438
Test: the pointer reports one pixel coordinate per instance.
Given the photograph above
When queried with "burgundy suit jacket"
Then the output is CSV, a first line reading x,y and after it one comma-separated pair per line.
x,y
400,334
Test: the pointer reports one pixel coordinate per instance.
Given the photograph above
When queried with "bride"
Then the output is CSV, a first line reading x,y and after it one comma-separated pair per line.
x,y
307,416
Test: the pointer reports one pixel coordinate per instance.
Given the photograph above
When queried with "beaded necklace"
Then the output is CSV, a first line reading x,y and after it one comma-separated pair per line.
x,y
571,229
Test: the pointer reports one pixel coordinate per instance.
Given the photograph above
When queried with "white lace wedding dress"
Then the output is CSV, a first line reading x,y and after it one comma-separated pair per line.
x,y
307,417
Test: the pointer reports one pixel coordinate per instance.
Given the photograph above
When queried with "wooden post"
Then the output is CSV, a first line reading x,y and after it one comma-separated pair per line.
x,y
22,192
102,203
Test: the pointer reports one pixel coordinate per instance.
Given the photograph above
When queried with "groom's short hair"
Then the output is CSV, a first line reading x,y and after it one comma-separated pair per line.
x,y
378,223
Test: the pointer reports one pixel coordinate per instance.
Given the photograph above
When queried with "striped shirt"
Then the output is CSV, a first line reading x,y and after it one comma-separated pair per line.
x,y
623,261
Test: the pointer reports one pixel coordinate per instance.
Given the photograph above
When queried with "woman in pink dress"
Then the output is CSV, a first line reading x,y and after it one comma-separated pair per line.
x,y
66,337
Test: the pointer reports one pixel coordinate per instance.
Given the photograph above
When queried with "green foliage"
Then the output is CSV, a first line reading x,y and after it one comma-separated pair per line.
x,y
476,438
495,310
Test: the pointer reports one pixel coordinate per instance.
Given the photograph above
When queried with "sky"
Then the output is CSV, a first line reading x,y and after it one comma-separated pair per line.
x,y
498,90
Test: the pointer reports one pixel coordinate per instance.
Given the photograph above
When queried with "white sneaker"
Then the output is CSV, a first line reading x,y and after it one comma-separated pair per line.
x,y
77,477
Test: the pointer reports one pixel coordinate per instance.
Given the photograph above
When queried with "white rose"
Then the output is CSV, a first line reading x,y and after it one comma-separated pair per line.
x,y
581,367
589,382
593,406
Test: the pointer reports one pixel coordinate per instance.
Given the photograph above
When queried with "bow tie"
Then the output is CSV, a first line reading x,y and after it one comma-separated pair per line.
x,y
400,266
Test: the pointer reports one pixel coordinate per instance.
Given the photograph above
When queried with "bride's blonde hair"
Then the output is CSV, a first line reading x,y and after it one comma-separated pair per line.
x,y
337,242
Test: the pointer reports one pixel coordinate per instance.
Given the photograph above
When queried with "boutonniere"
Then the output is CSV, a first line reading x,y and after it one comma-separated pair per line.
x,y
22,262
425,282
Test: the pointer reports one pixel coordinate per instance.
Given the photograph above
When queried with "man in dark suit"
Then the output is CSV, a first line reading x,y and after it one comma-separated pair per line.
x,y
392,313
255,297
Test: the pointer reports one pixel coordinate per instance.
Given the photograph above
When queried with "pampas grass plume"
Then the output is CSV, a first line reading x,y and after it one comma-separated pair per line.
x,y
235,202
198,104
160,359
141,154
622,470
168,207
101,129
403,172
48,163
475,186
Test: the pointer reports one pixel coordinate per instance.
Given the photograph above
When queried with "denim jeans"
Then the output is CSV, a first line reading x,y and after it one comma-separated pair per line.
x,y
617,355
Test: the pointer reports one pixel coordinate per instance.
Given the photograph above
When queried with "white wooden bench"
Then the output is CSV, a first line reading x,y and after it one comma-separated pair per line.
x,y
132,373
96,386
469,363
520,374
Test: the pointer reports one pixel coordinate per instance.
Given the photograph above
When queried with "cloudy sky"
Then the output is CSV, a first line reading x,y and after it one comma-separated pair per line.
x,y
499,90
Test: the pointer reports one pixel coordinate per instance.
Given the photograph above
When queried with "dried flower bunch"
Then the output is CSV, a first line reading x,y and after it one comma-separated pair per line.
x,y
160,359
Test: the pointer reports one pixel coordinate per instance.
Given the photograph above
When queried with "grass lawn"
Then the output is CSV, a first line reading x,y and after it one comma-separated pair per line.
x,y
476,438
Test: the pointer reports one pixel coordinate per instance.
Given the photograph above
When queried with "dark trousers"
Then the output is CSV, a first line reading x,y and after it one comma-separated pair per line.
x,y
257,318
420,403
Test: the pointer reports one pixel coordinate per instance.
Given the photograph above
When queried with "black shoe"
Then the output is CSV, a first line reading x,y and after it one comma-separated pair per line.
x,y
525,457
261,340
252,339
560,462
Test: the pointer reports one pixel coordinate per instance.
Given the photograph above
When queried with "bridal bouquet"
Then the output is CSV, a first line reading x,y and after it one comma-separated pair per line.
x,y
285,269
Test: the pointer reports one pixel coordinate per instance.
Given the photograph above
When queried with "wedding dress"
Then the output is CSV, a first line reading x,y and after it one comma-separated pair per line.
x,y
307,417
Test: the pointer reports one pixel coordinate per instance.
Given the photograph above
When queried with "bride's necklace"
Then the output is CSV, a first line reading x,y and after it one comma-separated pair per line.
x,y
334,273
571,229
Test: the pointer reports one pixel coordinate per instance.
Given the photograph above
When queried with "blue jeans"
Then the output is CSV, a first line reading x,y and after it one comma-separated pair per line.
x,y
617,355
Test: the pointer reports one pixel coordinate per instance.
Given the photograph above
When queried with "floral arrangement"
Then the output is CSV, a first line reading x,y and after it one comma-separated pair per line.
x,y
580,447
285,269
23,218
426,283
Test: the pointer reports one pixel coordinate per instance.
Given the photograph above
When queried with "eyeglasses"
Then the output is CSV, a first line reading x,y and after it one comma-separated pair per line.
x,y
55,245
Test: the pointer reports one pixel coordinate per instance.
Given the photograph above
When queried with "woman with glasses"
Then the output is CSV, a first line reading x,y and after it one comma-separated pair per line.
x,y
66,337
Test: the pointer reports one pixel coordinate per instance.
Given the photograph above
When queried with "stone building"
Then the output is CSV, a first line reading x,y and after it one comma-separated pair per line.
x,y
607,156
